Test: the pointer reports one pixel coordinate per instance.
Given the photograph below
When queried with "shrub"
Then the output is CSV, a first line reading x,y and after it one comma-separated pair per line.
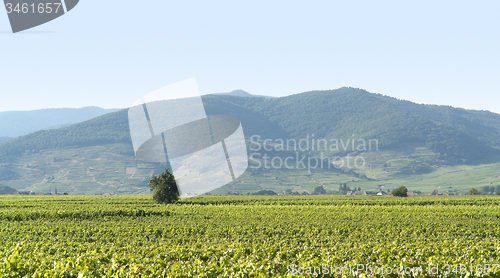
x,y
473,191
265,192
319,190
400,192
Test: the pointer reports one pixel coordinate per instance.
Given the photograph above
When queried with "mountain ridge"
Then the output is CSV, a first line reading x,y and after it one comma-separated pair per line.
x,y
334,114
344,114
18,123
241,93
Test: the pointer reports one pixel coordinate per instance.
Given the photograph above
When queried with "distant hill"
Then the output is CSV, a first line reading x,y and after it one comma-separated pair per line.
x,y
17,123
241,93
6,189
106,129
5,139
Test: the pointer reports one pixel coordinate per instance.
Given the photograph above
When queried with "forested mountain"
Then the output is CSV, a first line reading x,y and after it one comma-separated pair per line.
x,y
336,114
346,111
17,123
482,125
451,136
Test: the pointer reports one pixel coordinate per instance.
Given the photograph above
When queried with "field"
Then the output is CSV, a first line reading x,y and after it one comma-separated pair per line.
x,y
249,236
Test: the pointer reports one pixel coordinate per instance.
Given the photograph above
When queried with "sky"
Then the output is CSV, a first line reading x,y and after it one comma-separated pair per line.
x,y
110,53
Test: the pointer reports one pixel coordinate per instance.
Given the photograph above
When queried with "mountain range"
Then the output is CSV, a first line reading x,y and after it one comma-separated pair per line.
x,y
426,147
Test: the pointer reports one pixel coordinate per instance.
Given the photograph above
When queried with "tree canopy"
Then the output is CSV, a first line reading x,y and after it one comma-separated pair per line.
x,y
474,191
164,187
401,191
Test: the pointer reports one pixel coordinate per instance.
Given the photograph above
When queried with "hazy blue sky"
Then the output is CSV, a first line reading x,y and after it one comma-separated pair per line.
x,y
110,53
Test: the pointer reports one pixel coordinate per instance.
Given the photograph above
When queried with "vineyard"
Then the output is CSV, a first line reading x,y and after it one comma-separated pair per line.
x,y
250,236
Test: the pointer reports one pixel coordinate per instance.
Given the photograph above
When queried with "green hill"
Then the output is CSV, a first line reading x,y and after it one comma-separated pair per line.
x,y
6,189
482,125
346,111
106,129
414,141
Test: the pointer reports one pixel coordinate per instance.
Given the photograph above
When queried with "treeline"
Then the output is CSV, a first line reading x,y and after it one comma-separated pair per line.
x,y
485,190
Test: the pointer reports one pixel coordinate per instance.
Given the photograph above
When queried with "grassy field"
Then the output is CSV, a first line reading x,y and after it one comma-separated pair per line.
x,y
249,236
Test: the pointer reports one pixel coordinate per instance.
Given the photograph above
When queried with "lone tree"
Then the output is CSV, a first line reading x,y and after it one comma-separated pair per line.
x,y
400,192
164,188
